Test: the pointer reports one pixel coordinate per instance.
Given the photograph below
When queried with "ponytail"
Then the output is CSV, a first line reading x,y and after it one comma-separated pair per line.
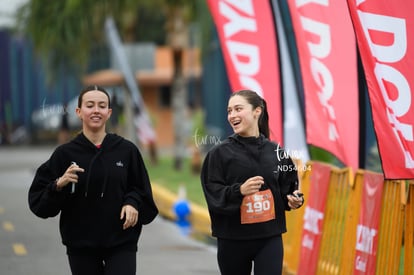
x,y
264,120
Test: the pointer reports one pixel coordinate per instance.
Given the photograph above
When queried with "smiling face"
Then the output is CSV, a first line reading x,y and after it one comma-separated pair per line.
x,y
242,117
94,111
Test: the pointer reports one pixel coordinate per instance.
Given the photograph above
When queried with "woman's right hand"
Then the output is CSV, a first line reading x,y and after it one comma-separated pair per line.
x,y
251,185
70,176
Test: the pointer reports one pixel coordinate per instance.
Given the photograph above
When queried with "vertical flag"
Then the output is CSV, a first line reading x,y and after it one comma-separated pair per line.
x,y
368,225
293,127
314,218
248,40
144,129
328,61
384,31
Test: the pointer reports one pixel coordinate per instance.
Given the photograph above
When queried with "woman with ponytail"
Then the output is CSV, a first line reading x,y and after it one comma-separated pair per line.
x,y
249,182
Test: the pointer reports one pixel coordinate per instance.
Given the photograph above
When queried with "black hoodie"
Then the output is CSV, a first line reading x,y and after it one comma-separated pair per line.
x,y
230,164
115,175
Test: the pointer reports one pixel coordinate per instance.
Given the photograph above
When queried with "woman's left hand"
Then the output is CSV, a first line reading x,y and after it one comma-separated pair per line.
x,y
130,214
294,201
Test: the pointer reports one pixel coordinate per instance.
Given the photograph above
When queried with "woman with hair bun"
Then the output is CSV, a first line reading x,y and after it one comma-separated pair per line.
x,y
99,185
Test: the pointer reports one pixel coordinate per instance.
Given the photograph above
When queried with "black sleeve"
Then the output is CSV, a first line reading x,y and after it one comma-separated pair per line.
x,y
288,180
221,197
139,193
44,200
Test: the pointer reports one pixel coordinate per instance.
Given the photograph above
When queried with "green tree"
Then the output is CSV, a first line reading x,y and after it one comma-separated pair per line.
x,y
65,32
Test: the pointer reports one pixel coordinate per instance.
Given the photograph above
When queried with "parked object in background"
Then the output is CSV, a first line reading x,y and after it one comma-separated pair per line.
x,y
64,134
47,120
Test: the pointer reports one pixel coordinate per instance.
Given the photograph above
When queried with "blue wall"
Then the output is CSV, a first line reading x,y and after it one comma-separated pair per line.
x,y
23,86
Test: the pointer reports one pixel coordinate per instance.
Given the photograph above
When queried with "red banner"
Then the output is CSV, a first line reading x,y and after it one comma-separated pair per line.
x,y
313,219
328,61
248,41
367,229
384,31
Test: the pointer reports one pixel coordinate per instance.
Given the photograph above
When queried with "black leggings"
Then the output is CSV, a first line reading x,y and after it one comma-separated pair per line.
x,y
104,263
238,256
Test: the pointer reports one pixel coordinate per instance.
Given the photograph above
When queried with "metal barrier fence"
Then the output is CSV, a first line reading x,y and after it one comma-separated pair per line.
x,y
339,235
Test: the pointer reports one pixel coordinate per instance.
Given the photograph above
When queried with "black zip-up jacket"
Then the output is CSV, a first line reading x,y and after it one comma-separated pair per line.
x,y
227,166
115,175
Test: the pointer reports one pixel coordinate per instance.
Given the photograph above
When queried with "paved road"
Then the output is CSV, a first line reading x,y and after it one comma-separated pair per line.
x,y
32,246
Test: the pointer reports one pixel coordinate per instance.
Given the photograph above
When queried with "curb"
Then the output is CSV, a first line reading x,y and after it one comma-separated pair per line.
x,y
198,217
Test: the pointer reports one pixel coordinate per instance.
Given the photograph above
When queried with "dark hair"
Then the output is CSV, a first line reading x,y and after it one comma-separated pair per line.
x,y
256,101
93,88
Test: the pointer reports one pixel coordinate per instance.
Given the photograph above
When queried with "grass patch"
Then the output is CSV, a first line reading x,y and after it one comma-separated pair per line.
x,y
164,174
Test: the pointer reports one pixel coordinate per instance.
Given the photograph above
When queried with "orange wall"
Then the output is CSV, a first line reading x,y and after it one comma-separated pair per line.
x,y
161,117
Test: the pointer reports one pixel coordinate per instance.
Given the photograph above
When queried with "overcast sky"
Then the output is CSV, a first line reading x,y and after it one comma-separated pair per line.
x,y
7,11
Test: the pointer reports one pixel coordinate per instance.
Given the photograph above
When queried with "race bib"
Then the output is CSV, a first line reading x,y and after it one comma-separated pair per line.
x,y
258,207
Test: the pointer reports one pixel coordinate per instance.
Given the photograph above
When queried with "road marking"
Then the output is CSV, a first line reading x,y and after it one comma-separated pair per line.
x,y
19,249
8,226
